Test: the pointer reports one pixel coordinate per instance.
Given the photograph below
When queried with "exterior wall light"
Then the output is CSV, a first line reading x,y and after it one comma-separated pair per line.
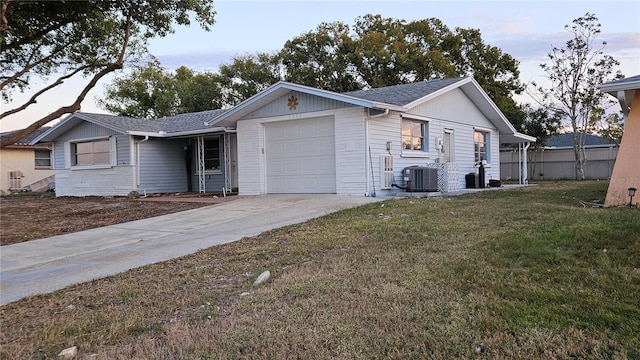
x,y
632,192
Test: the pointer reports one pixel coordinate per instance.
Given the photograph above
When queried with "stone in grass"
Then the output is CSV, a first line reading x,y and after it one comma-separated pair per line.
x,y
68,353
262,278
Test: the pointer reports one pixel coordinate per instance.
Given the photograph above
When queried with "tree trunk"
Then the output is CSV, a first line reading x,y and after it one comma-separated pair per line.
x,y
578,155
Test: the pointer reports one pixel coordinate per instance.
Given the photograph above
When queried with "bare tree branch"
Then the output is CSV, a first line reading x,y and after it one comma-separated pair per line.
x,y
76,104
63,110
32,100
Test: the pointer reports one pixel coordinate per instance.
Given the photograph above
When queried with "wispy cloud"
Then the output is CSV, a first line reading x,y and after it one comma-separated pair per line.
x,y
536,47
199,61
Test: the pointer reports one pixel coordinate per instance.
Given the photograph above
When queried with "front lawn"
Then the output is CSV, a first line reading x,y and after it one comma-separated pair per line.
x,y
513,274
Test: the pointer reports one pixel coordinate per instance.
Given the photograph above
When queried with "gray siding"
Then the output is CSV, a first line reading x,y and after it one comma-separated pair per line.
x,y
213,183
351,151
306,103
162,166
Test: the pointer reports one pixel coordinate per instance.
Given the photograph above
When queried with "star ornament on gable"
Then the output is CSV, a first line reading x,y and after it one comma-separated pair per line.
x,y
292,103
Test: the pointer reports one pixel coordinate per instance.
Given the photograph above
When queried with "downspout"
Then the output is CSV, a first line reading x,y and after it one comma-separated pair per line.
x,y
368,162
365,152
385,113
624,104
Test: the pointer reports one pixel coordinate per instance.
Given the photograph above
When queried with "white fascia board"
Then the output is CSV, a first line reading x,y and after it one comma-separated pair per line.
x,y
51,130
182,133
612,87
516,138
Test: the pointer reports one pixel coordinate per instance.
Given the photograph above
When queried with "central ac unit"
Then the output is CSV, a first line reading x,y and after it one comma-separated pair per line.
x,y
420,178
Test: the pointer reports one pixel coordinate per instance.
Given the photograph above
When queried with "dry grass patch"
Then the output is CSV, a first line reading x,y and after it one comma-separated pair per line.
x,y
515,274
31,216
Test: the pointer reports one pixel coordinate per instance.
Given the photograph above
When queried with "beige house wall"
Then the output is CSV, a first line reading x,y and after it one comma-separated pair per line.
x,y
22,160
626,170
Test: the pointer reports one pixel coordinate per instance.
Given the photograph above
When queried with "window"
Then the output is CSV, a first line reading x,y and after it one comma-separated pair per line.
x,y
447,146
414,135
42,158
212,154
481,146
96,152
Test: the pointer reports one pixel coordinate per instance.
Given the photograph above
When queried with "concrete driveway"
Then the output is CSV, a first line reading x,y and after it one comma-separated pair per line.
x,y
46,265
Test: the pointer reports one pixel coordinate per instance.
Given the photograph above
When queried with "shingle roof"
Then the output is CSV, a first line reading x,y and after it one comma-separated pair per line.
x,y
403,94
189,121
125,123
173,124
566,140
27,139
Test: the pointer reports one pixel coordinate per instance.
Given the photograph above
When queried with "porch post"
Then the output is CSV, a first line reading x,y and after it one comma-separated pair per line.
x,y
200,159
520,163
525,167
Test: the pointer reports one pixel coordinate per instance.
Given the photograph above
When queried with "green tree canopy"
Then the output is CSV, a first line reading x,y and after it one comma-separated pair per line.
x,y
151,92
62,39
321,59
247,76
376,52
385,51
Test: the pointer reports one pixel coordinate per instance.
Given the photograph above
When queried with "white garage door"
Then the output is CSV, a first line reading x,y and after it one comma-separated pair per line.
x,y
301,156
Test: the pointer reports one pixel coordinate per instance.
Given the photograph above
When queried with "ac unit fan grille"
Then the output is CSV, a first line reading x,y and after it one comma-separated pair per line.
x,y
421,179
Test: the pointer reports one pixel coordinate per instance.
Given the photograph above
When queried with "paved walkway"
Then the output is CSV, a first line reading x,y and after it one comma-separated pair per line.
x,y
46,265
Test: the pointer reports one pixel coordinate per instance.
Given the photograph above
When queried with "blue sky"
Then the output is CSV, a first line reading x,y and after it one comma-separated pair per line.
x,y
526,30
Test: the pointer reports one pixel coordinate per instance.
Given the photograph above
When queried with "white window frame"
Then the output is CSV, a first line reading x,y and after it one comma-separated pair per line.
x,y
208,171
36,158
69,153
410,153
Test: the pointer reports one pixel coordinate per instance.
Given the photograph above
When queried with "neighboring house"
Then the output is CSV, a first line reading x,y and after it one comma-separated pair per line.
x,y
626,170
291,139
25,167
555,161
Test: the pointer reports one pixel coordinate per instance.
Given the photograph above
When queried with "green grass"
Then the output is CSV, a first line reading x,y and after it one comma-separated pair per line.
x,y
518,274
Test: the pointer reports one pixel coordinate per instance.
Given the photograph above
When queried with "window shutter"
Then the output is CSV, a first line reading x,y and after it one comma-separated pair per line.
x,y
67,154
113,151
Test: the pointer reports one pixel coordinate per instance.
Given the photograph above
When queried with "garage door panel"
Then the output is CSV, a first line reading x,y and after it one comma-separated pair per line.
x,y
301,156
301,185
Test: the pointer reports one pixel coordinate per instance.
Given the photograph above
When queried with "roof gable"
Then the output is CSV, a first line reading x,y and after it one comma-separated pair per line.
x,y
282,88
163,127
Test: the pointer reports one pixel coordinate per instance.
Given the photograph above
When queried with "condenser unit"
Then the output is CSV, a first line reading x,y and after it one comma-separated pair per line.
x,y
420,178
